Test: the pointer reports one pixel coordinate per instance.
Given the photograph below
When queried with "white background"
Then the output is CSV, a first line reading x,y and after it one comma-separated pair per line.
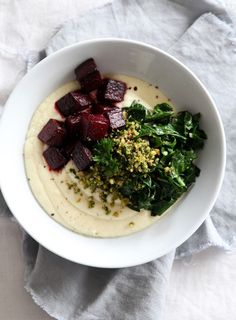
x,y
203,287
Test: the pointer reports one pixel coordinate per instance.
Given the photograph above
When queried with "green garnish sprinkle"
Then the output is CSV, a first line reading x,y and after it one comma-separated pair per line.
x,y
91,202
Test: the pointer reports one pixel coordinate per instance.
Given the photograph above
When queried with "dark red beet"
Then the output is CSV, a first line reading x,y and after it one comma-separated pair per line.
x,y
111,91
84,124
116,119
114,90
91,82
68,148
88,110
94,126
53,133
73,122
93,95
101,92
73,102
98,127
81,156
54,158
85,68
103,108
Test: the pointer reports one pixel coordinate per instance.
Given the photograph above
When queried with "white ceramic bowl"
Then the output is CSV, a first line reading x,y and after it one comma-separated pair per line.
x,y
135,59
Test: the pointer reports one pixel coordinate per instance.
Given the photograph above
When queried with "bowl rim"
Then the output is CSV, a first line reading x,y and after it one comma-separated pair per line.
x,y
195,226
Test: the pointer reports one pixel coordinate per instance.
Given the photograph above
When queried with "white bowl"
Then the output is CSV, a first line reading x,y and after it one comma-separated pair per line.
x,y
135,59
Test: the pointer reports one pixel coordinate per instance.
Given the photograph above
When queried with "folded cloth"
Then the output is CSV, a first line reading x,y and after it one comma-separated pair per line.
x,y
205,42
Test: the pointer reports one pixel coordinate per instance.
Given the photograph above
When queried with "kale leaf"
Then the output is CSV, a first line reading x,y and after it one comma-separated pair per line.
x,y
103,155
159,130
136,112
178,137
188,125
160,112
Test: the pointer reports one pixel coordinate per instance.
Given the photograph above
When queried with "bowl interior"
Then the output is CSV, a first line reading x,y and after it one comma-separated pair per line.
x,y
144,62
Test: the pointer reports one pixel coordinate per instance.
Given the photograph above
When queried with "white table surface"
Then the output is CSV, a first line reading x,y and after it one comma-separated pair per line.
x,y
201,288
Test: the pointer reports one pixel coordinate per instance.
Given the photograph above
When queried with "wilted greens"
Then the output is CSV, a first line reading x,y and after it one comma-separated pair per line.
x,y
151,162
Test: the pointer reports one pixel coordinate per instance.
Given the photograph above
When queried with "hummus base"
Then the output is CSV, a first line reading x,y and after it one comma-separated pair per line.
x,y
68,205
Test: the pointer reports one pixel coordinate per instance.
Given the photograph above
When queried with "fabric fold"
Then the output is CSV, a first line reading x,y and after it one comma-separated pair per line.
x,y
78,292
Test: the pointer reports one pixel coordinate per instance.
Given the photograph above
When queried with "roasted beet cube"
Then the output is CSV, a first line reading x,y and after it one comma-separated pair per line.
x,y
81,156
116,119
68,147
98,127
101,92
103,108
111,91
54,158
91,82
94,127
53,133
93,96
85,68
114,90
84,124
73,102
88,110
73,124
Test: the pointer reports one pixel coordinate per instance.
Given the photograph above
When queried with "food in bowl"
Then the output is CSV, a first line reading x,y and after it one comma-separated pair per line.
x,y
141,61
108,156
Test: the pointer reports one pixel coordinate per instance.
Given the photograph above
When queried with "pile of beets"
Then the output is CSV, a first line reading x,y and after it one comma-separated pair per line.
x,y
89,115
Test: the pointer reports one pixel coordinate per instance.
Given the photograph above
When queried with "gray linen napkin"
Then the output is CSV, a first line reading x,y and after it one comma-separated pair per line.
x,y
206,43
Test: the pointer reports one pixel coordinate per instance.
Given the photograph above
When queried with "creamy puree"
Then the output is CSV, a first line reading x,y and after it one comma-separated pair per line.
x,y
68,206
